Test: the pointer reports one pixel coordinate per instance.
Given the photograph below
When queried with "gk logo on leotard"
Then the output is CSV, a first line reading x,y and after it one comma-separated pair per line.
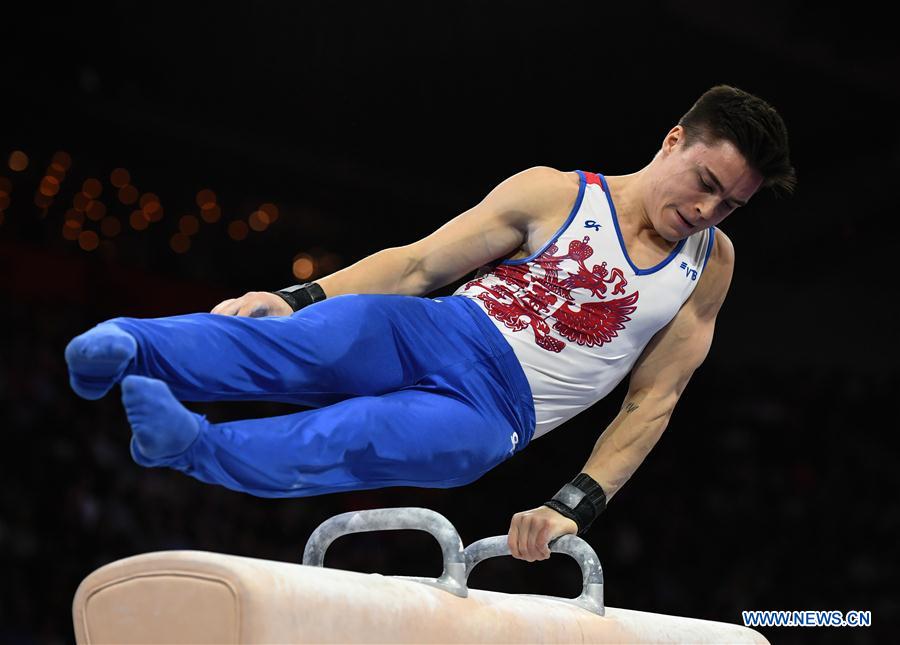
x,y
689,272
592,224
514,437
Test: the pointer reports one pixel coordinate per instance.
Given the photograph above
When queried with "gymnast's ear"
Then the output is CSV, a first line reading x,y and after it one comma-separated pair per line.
x,y
674,139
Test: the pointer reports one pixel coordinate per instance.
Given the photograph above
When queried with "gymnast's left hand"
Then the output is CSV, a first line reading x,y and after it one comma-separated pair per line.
x,y
530,532
254,304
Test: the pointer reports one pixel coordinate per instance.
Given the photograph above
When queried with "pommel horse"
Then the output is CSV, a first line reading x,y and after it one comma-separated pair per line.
x,y
203,597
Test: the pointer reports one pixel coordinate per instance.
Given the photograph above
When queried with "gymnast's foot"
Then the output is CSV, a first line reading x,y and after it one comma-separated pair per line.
x,y
98,358
162,427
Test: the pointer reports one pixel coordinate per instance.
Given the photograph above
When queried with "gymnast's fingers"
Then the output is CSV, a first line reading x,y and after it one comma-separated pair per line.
x,y
253,308
538,530
220,308
524,538
542,540
512,540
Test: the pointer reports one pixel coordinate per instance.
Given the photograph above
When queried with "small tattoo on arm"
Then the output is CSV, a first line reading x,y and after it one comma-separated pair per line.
x,y
630,407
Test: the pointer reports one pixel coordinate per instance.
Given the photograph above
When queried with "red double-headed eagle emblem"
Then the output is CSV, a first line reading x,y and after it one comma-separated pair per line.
x,y
533,294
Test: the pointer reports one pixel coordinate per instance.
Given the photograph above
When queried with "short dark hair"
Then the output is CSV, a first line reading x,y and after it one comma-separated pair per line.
x,y
752,125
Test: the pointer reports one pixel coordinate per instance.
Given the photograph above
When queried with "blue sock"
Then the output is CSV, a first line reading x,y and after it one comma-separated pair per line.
x,y
98,358
162,427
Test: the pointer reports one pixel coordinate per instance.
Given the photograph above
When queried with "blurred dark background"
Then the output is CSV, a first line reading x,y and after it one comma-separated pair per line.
x,y
157,159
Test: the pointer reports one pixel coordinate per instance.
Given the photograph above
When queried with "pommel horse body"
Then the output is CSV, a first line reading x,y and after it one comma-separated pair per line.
x,y
203,597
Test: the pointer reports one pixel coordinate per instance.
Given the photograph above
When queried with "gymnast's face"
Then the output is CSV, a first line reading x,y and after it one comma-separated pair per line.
x,y
696,187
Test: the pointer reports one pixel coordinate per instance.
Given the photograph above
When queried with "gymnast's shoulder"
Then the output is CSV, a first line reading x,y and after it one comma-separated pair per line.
x,y
715,281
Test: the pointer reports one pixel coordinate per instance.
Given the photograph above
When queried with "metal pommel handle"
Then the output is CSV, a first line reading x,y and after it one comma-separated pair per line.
x,y
453,578
591,597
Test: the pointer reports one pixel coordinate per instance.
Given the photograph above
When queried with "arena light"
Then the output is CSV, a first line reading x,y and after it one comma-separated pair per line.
x,y
120,178
49,186
42,201
237,230
71,230
128,194
210,212
138,220
271,210
180,243
80,202
153,211
95,210
92,188
56,171
88,240
189,225
205,196
110,226
148,198
303,266
259,221
75,216
18,161
62,159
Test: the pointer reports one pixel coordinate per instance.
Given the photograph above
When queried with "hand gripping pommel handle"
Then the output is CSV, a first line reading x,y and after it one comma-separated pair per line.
x,y
453,579
591,597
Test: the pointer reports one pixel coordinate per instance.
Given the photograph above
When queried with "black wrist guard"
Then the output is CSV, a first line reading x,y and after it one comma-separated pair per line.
x,y
582,500
301,295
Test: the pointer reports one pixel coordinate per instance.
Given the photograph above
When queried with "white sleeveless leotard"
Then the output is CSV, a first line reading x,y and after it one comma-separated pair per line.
x,y
578,313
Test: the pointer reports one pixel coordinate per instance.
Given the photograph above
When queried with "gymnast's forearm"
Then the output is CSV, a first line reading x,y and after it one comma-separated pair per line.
x,y
627,441
391,271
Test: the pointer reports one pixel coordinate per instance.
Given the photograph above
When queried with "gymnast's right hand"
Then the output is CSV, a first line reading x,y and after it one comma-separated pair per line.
x,y
530,532
254,304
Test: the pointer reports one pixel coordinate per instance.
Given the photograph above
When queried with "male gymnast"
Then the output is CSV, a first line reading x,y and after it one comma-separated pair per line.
x,y
583,280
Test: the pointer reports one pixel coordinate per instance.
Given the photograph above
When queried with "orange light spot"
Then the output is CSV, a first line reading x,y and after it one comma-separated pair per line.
x,y
49,186
4,201
138,220
55,171
18,161
180,243
120,177
88,240
110,226
75,216
259,221
70,233
329,263
210,213
153,211
80,202
62,159
5,185
148,198
95,210
237,230
189,225
42,201
92,188
205,196
271,210
128,195
303,266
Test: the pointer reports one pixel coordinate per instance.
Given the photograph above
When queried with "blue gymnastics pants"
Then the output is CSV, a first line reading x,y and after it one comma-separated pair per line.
x,y
404,391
